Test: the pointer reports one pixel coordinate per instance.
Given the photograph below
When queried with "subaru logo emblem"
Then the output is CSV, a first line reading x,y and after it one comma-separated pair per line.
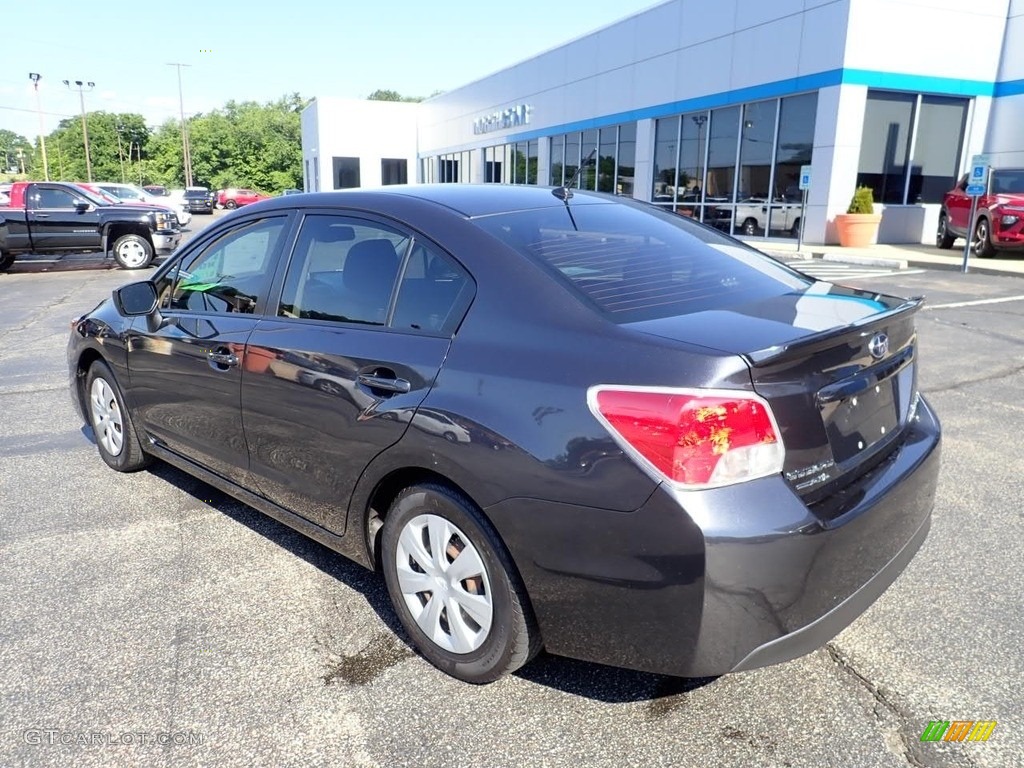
x,y
879,346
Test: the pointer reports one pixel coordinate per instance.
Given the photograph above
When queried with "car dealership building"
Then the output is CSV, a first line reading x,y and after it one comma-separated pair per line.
x,y
712,109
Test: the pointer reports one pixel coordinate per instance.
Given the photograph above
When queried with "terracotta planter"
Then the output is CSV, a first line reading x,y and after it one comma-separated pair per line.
x,y
857,230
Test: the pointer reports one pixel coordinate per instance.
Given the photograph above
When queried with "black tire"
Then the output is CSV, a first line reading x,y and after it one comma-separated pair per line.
x,y
230,205
450,437
750,227
982,244
6,261
129,457
133,252
513,637
943,239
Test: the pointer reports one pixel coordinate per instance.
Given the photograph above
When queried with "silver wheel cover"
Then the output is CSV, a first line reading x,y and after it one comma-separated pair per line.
x,y
106,417
131,253
444,584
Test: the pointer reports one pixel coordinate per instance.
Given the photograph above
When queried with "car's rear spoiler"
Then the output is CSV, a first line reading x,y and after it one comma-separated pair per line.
x,y
809,344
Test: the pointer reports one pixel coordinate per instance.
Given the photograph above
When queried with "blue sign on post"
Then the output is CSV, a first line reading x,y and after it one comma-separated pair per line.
x,y
805,177
977,179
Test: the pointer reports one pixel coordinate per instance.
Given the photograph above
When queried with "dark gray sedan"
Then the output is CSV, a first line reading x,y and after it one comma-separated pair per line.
x,y
556,420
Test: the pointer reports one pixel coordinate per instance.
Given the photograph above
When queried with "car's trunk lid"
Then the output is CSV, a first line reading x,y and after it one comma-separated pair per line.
x,y
836,364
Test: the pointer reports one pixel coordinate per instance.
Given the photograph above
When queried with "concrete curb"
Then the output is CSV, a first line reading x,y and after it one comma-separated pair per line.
x,y
864,261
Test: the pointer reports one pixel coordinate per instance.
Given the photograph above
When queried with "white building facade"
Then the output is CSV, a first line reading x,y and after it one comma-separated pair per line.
x,y
712,109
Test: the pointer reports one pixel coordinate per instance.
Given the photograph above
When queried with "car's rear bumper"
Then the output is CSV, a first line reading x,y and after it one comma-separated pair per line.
x,y
702,584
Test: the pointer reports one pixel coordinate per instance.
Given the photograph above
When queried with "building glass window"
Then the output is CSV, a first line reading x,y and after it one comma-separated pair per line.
x,y
531,162
451,168
911,147
393,171
588,178
666,158
606,159
884,148
572,156
625,165
754,190
346,172
794,147
941,123
692,150
557,160
720,184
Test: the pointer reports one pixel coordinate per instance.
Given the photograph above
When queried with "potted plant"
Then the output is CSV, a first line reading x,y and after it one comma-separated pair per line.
x,y
858,227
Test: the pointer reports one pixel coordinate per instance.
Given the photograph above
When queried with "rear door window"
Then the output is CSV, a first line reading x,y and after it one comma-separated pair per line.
x,y
635,263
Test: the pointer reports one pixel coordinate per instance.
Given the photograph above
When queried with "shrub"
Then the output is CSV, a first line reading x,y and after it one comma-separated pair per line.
x,y
863,201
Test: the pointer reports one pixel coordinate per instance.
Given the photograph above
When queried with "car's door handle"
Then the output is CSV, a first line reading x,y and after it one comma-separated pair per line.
x,y
42,215
222,358
387,383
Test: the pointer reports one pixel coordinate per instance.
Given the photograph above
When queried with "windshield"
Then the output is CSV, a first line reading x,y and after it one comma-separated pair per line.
x,y
1008,182
96,198
634,263
125,193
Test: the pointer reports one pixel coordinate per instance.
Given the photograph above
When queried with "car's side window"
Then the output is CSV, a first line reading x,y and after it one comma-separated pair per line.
x,y
342,269
434,293
231,274
54,198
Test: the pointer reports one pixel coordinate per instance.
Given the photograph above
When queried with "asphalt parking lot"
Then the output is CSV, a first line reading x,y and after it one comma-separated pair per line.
x,y
150,607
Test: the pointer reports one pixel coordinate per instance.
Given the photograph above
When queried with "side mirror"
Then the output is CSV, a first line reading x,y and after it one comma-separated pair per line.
x,y
82,206
135,299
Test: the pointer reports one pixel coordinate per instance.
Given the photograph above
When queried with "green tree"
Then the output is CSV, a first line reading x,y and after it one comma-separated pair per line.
x,y
387,95
111,137
16,150
242,144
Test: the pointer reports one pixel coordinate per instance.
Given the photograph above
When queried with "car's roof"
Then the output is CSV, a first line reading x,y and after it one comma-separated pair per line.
x,y
470,200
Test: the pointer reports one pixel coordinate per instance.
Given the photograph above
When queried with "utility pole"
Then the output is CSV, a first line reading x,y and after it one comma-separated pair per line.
x,y
186,153
81,87
35,77
120,151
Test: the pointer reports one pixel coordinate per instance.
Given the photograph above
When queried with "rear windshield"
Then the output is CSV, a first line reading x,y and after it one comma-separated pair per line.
x,y
640,263
1008,182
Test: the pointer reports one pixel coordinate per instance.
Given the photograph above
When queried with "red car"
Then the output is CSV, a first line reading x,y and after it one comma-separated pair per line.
x,y
233,198
998,224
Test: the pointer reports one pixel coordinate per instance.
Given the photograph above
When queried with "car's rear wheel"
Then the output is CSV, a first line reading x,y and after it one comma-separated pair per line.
x,y
111,422
795,229
230,205
982,241
6,260
750,227
943,238
454,587
133,252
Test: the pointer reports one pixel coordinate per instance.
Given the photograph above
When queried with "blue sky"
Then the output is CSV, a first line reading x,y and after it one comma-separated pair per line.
x,y
259,50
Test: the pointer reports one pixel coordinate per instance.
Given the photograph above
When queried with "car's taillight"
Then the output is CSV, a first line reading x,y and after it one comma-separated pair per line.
x,y
693,438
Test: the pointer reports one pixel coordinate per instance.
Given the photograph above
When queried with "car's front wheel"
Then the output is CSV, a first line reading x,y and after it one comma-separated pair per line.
x,y
982,240
454,587
750,227
230,205
133,252
111,422
6,260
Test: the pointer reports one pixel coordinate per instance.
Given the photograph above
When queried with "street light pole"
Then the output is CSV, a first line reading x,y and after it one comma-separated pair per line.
x,y
186,152
35,77
81,87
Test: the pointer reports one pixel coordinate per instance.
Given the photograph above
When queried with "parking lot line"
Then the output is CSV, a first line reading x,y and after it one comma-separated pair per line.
x,y
976,302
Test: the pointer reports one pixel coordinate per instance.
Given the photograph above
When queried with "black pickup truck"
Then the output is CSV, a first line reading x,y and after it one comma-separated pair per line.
x,y
56,217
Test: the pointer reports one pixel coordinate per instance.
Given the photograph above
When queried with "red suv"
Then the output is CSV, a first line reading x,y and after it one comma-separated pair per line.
x,y
999,222
233,198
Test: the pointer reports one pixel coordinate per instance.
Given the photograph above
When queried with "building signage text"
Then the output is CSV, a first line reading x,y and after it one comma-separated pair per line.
x,y
512,117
